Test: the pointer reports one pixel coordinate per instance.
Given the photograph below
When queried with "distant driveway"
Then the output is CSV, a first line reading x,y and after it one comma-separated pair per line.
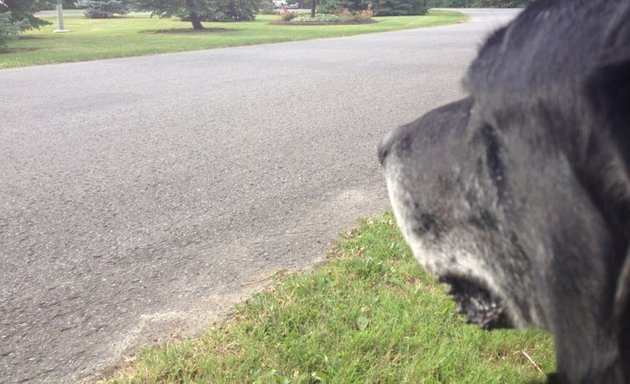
x,y
140,197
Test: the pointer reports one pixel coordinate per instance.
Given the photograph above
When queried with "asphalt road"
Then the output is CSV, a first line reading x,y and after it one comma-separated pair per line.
x,y
141,197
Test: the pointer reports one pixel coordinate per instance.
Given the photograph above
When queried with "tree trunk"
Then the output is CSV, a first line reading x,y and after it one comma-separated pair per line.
x,y
194,19
313,6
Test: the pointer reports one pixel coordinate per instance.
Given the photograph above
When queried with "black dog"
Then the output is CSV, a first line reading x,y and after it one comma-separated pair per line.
x,y
518,196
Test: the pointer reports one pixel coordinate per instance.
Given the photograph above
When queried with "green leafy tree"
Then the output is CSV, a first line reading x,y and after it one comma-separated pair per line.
x,y
232,10
197,11
229,10
102,9
193,9
336,6
21,13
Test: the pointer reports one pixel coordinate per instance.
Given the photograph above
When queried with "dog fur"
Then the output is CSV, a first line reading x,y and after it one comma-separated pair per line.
x,y
518,196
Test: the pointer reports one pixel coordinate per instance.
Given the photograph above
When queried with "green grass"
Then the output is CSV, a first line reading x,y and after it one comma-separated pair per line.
x,y
135,35
370,314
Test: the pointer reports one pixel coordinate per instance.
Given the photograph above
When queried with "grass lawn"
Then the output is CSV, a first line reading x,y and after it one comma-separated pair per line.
x,y
135,35
369,315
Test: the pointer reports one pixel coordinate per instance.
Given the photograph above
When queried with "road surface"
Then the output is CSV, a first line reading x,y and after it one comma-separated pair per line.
x,y
141,197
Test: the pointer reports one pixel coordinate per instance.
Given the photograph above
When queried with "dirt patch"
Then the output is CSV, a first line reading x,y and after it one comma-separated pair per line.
x,y
17,50
30,37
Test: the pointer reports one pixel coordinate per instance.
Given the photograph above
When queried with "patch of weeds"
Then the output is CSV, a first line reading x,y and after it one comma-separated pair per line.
x,y
344,16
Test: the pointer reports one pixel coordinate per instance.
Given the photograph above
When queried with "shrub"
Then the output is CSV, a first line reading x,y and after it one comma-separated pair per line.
x,y
266,7
288,16
358,16
379,7
319,18
399,7
103,9
345,16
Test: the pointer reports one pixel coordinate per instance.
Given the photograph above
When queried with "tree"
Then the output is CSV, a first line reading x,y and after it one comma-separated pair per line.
x,y
68,4
196,11
21,13
102,9
167,8
17,16
336,6
229,10
8,29
232,10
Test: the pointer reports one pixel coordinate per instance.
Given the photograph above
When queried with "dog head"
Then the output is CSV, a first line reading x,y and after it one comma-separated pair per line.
x,y
445,186
518,196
